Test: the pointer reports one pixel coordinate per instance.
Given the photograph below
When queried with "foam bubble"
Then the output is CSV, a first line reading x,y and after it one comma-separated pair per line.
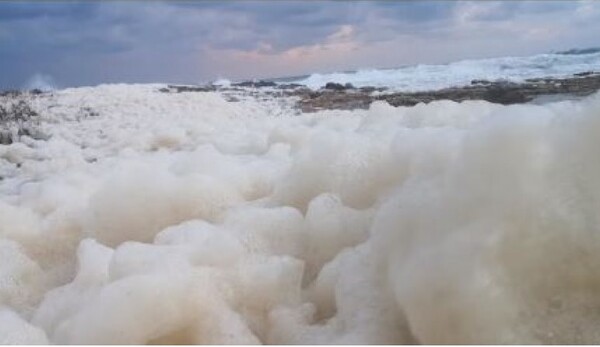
x,y
14,330
203,221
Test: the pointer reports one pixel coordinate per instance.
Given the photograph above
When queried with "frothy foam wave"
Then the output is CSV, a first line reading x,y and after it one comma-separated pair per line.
x,y
433,77
202,221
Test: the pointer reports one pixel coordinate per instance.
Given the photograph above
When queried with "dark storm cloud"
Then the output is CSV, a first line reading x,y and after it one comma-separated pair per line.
x,y
90,42
23,10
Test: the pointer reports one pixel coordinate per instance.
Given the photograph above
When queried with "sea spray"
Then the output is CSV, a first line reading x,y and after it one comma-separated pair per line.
x,y
426,77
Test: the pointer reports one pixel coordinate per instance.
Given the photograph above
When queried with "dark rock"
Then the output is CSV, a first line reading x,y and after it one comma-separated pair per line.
x,y
290,86
335,95
11,93
244,84
260,84
5,138
480,82
88,112
534,80
402,100
335,86
503,83
314,95
320,100
505,96
578,51
23,132
367,89
3,113
183,89
583,74
255,84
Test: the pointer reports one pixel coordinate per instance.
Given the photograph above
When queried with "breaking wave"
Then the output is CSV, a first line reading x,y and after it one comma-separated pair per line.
x,y
432,77
42,82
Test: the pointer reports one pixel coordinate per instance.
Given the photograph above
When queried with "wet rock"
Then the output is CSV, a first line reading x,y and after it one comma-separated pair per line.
x,y
314,95
334,100
346,97
585,73
506,95
244,84
255,84
338,86
6,137
88,112
402,100
11,93
577,51
480,82
290,86
370,89
260,84
187,89
337,96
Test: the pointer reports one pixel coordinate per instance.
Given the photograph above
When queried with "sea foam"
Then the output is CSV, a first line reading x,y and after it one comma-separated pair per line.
x,y
183,218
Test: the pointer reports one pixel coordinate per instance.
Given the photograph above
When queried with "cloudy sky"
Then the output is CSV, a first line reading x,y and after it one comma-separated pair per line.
x,y
87,43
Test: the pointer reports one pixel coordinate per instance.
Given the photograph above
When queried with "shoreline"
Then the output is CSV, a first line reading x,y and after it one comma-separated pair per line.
x,y
335,96
498,92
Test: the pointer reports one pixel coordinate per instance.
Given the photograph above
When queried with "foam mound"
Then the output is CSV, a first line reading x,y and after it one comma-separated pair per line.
x,y
186,219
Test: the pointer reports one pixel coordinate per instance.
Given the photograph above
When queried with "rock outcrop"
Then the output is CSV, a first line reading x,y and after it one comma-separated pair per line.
x,y
500,92
337,96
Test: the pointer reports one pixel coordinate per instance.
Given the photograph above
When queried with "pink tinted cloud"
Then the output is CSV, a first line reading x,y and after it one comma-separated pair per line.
x,y
266,60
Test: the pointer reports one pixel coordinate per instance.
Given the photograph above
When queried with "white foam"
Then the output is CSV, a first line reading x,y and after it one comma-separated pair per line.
x,y
222,82
432,77
183,218
16,331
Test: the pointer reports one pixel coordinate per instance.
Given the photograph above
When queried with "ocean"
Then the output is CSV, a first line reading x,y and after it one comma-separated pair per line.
x,y
424,77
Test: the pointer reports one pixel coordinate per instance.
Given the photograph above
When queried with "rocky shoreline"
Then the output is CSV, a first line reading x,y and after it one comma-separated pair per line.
x,y
336,96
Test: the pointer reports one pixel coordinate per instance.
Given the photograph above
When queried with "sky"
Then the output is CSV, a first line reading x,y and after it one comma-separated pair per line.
x,y
75,43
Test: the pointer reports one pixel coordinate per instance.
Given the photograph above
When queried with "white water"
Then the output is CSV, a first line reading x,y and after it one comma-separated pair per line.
x,y
432,77
182,218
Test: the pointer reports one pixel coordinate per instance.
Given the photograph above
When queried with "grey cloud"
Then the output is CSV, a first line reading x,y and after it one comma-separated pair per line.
x,y
140,39
12,11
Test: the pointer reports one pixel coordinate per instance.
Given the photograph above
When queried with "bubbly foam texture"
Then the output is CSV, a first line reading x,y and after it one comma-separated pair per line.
x,y
182,218
432,77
